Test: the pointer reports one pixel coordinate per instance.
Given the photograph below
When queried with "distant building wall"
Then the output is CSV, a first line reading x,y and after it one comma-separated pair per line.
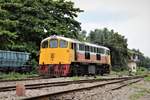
x,y
132,66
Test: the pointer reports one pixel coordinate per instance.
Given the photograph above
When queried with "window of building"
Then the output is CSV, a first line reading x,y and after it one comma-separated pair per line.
x,y
53,43
63,44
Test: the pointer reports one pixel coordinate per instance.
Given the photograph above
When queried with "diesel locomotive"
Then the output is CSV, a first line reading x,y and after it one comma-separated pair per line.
x,y
61,56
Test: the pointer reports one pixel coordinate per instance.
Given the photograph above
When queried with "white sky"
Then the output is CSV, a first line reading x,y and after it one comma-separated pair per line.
x,y
130,18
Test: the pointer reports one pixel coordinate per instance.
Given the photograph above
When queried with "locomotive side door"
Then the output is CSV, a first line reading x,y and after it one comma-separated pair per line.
x,y
75,50
87,52
73,55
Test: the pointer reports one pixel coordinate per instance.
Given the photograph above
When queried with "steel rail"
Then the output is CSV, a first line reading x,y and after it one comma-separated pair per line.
x,y
42,85
25,79
125,84
116,88
79,89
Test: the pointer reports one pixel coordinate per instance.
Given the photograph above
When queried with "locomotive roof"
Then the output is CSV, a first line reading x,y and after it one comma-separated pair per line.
x,y
75,41
95,45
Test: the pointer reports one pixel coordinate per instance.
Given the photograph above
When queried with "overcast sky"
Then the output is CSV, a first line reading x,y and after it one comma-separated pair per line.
x,y
130,18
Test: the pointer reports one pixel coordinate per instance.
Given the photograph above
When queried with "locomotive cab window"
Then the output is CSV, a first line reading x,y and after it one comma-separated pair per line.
x,y
63,44
45,44
53,43
101,50
107,52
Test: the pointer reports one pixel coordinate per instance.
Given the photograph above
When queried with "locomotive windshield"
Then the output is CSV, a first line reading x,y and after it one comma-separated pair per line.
x,y
45,44
63,44
53,43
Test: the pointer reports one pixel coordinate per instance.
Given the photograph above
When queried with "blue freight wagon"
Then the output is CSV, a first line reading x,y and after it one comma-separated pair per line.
x,y
14,61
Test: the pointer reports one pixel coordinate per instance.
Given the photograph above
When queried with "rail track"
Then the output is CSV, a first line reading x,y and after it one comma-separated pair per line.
x,y
101,82
108,82
25,79
50,84
111,89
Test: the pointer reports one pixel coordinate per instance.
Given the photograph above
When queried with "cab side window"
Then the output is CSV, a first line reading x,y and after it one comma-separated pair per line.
x,y
45,44
107,52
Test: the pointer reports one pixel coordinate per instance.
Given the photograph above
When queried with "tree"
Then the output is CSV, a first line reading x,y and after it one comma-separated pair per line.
x,y
114,41
22,22
82,35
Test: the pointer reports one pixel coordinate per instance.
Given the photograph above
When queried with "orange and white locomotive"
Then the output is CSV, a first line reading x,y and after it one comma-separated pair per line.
x,y
61,56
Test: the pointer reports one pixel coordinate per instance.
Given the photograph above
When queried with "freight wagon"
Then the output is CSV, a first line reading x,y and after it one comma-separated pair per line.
x,y
14,61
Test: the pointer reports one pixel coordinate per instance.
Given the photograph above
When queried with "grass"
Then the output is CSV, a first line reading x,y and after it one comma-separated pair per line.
x,y
137,95
141,89
120,73
141,92
14,76
74,78
147,78
98,77
140,71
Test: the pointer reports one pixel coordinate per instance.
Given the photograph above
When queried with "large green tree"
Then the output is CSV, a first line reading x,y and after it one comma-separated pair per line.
x,y
22,22
114,41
